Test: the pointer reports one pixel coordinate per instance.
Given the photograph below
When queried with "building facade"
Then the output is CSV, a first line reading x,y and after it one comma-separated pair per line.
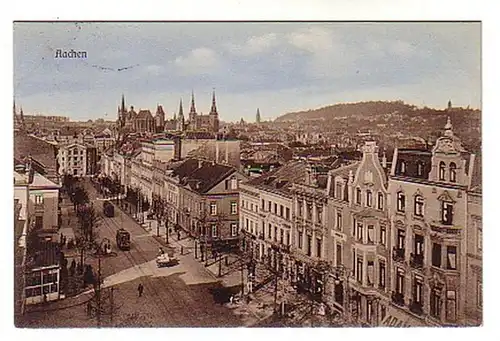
x,y
429,219
72,159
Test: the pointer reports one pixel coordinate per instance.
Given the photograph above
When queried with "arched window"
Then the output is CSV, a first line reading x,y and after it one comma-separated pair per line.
x,y
358,196
369,198
442,170
419,206
401,201
380,201
420,168
453,172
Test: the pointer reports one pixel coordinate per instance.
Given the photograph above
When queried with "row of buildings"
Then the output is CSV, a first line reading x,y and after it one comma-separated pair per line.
x,y
401,242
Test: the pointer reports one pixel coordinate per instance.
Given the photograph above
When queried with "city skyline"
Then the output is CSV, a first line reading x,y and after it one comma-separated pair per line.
x,y
277,67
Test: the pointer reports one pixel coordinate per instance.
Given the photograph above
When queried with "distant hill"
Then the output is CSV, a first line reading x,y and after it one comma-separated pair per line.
x,y
389,119
348,110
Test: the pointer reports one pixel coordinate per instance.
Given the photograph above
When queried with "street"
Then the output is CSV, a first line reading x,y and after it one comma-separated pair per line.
x,y
178,296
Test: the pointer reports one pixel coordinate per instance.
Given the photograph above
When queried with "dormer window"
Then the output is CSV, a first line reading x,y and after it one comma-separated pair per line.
x,y
453,172
420,168
358,196
401,201
442,171
402,167
380,201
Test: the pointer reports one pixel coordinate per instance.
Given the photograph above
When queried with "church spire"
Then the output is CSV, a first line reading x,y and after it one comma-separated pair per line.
x,y
193,107
123,103
213,110
257,118
181,113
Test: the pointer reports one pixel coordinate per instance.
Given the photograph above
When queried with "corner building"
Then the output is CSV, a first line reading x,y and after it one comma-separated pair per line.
x,y
428,215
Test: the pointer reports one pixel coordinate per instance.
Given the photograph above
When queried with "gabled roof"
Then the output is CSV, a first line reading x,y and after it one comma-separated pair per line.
x,y
145,113
208,175
281,178
40,151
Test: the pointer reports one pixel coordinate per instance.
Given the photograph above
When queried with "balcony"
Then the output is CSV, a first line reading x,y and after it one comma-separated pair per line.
x,y
398,255
398,298
416,308
416,261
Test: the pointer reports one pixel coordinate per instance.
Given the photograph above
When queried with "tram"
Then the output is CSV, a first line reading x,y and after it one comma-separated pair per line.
x,y
123,239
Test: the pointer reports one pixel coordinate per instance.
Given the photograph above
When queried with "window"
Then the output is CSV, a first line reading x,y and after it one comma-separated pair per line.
x,y
380,201
282,213
479,236
402,167
276,233
234,207
338,190
479,294
453,172
234,229
288,238
383,235
359,232
300,208
451,305
338,256
381,274
251,207
417,289
420,168
370,274
359,270
447,213
75,158
38,199
371,232
282,236
451,257
401,202
442,170
435,303
358,196
300,237
38,222
226,184
234,183
353,230
275,208
213,208
309,212
214,230
269,206
247,224
419,244
339,221
309,245
400,242
436,255
318,247
369,198
269,235
419,206
319,214
400,281
263,204
287,213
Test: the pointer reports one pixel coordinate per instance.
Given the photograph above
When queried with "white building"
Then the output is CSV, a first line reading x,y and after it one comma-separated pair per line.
x,y
72,159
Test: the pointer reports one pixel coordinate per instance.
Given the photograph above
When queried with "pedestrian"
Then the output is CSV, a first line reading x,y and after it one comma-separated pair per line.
x,y
140,289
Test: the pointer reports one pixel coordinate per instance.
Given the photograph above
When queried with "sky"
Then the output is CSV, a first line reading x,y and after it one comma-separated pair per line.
x,y
276,67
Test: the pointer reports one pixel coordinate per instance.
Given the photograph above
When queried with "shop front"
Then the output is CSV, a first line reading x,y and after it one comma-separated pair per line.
x,y
397,317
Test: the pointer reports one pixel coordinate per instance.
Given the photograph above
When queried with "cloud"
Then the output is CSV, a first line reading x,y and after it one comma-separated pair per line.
x,y
200,60
254,45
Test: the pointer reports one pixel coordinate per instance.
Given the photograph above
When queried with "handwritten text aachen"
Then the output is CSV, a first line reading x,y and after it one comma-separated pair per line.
x,y
70,54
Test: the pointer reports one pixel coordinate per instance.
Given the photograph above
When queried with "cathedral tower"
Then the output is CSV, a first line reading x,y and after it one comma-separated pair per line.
x,y
180,118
